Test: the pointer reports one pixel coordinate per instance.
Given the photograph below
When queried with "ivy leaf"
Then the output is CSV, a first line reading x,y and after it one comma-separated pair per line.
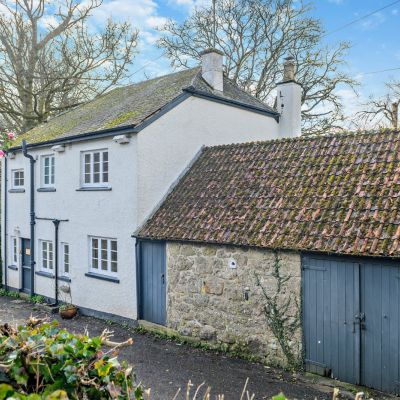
x,y
280,396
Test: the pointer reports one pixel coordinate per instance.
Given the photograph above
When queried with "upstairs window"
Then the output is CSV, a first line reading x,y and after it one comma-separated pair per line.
x,y
103,256
95,168
48,170
47,255
18,178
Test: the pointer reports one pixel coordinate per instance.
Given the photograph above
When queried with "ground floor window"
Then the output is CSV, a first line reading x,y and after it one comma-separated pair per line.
x,y
47,255
65,258
14,250
103,256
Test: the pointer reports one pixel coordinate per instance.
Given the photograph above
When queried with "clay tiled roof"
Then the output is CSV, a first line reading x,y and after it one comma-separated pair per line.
x,y
338,193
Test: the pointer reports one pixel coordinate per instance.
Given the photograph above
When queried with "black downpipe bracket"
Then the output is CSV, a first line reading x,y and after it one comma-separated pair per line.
x,y
32,213
5,172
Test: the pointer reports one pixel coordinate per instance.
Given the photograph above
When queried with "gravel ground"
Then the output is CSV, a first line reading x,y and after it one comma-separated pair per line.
x,y
165,366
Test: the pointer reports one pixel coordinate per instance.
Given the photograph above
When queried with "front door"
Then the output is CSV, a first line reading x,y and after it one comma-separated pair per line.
x,y
351,320
26,265
152,282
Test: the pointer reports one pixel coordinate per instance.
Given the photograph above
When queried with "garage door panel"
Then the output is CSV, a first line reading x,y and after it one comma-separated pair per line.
x,y
329,291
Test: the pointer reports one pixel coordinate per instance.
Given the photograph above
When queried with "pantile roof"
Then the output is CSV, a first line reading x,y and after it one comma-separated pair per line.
x,y
335,193
133,104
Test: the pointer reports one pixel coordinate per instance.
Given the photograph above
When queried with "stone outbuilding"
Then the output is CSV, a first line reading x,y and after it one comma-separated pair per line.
x,y
299,233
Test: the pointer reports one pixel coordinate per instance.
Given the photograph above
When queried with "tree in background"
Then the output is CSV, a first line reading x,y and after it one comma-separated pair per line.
x,y
255,36
382,112
51,61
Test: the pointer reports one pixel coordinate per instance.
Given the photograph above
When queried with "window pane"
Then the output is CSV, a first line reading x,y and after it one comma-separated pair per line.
x,y
50,254
52,171
104,255
95,260
96,167
114,256
66,258
87,168
105,166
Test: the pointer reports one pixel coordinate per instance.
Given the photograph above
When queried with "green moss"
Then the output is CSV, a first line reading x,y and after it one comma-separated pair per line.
x,y
121,119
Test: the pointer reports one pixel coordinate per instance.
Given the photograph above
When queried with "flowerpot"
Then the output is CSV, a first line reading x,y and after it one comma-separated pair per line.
x,y
68,313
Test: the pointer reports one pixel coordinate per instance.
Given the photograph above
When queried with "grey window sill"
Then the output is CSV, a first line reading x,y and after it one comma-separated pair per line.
x,y
102,277
45,274
13,267
52,276
46,189
94,189
16,191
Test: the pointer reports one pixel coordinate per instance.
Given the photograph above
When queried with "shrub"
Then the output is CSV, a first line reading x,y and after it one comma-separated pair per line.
x,y
52,363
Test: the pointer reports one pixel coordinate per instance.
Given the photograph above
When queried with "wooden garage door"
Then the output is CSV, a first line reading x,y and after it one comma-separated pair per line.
x,y
351,320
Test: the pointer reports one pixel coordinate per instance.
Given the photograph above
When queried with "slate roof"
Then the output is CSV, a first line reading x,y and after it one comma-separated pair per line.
x,y
131,105
336,194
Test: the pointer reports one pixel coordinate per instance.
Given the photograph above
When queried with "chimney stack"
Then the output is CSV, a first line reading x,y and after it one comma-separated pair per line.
x,y
212,68
289,101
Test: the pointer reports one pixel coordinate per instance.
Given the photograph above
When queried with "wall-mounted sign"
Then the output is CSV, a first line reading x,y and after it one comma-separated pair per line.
x,y
27,252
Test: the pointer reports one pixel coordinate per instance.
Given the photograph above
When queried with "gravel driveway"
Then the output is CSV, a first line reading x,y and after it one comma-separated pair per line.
x,y
166,366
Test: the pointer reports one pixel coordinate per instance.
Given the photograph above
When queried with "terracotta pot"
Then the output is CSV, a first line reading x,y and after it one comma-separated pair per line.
x,y
68,313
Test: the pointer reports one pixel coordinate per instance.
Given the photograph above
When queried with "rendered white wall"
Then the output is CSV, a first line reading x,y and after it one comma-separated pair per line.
x,y
100,213
167,146
141,173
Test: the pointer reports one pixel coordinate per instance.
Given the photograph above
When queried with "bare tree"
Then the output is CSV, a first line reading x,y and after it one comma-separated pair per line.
x,y
51,61
255,36
382,112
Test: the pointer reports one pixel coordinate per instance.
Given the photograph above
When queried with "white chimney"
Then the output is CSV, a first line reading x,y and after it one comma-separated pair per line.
x,y
212,68
289,102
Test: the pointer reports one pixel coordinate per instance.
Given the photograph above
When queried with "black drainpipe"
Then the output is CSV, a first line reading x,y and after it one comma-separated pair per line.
x,y
32,213
56,223
5,172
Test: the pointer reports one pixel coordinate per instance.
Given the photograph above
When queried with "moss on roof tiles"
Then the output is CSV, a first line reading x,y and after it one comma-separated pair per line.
x,y
333,193
130,105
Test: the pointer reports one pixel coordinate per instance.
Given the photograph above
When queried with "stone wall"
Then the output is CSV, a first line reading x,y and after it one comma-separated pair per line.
x,y
206,298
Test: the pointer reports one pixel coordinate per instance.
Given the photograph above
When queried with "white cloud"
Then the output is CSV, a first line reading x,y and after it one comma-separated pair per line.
x,y
155,21
373,21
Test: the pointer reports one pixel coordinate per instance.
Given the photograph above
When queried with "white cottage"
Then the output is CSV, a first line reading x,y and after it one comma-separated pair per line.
x,y
100,170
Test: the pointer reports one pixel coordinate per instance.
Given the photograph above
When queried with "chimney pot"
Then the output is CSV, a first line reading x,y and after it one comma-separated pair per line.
x,y
212,68
288,69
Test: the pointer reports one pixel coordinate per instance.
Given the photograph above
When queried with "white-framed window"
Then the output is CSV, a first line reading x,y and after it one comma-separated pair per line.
x,y
47,255
14,250
18,178
48,170
95,168
103,257
65,258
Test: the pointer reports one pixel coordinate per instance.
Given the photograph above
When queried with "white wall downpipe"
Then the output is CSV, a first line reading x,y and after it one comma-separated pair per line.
x,y
212,68
289,102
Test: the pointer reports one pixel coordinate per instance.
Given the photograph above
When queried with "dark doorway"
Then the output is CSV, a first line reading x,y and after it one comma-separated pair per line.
x,y
26,265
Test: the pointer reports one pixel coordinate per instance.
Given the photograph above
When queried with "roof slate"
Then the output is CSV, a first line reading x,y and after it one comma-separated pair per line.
x,y
131,105
336,194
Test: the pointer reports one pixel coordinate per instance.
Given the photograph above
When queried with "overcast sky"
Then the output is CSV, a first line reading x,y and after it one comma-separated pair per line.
x,y
376,40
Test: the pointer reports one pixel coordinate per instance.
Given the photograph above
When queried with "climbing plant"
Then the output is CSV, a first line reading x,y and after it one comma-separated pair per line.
x,y
278,304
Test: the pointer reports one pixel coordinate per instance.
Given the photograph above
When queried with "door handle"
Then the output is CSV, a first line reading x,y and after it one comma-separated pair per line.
x,y
359,319
163,279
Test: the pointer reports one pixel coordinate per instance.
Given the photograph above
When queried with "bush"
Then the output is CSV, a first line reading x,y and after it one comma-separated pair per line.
x,y
42,361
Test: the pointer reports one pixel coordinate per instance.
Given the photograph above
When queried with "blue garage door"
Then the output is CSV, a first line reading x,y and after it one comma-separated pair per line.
x,y
152,282
351,320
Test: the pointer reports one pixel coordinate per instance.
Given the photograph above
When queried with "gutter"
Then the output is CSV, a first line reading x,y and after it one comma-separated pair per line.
x,y
32,212
5,172
79,137
230,102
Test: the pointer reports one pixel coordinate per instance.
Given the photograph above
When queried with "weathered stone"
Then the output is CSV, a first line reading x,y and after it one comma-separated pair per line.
x,y
210,286
206,298
207,332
